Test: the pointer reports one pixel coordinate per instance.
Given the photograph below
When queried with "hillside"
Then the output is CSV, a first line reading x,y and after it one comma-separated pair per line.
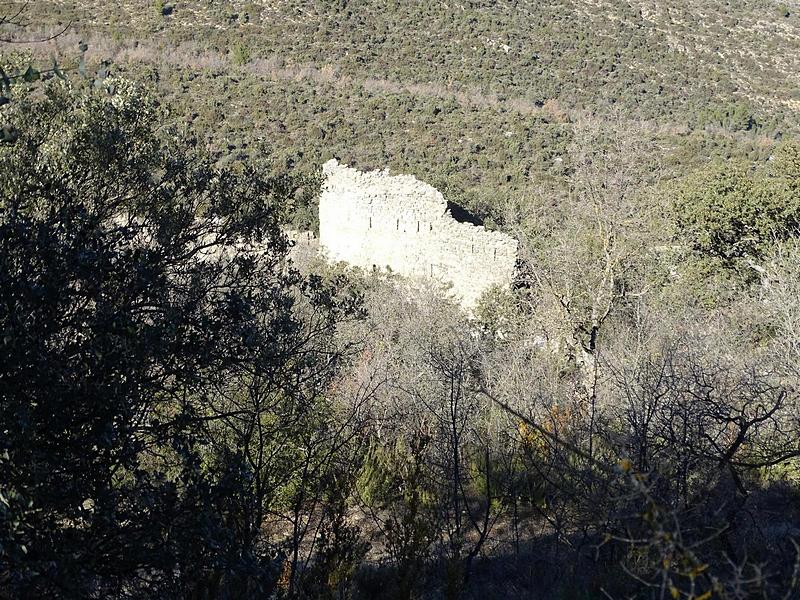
x,y
476,97
675,61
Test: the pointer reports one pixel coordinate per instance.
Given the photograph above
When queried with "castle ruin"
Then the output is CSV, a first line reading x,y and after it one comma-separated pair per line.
x,y
379,221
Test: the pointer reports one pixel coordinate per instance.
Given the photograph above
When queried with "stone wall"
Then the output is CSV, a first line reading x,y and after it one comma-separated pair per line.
x,y
378,221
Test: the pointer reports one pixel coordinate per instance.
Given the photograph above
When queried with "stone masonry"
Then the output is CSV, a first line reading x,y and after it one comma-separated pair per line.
x,y
379,221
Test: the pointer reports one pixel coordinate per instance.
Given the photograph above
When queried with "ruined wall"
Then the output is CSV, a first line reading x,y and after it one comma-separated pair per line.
x,y
375,220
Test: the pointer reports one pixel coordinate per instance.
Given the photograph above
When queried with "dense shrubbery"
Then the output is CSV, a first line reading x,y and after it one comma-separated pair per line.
x,y
148,326
729,212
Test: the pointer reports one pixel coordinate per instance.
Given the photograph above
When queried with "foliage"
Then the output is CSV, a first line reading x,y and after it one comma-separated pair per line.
x,y
183,414
399,480
138,281
490,118
729,212
240,54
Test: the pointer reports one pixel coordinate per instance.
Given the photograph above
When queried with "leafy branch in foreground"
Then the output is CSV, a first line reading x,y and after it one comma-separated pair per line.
x,y
141,284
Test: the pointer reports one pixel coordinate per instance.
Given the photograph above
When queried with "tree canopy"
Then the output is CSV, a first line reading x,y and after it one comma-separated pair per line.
x,y
138,282
728,211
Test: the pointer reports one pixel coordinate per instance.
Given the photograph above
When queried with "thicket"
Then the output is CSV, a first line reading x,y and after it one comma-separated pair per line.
x,y
731,212
161,365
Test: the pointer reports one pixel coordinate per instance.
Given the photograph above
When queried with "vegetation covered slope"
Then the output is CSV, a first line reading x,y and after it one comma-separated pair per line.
x,y
672,61
475,97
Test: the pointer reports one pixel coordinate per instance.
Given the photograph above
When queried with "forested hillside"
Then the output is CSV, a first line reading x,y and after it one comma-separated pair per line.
x,y
189,410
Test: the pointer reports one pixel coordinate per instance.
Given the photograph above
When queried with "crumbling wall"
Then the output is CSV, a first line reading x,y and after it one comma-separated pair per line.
x,y
377,220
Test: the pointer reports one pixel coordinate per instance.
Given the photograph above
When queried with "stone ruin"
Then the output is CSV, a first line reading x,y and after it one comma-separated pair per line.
x,y
396,222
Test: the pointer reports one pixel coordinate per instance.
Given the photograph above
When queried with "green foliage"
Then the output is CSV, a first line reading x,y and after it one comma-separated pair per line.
x,y
730,212
111,382
340,548
707,282
240,54
735,116
394,472
303,215
720,210
396,479
784,170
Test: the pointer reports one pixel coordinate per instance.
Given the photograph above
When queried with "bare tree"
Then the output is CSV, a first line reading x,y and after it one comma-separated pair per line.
x,y
15,19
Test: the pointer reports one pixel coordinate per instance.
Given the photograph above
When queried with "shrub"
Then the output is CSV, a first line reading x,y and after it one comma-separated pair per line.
x,y
730,212
240,54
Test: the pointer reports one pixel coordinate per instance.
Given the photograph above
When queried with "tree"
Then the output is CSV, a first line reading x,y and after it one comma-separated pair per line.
x,y
137,282
583,251
730,212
